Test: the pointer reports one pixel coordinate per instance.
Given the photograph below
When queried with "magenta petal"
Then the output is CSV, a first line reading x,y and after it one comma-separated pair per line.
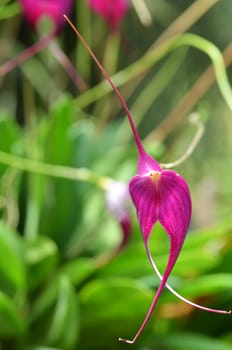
x,y
175,209
145,199
166,198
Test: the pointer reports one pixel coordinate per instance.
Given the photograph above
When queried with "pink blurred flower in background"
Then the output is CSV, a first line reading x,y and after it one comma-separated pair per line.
x,y
112,11
34,10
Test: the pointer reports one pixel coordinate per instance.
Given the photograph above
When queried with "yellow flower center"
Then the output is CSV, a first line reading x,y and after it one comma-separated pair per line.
x,y
155,176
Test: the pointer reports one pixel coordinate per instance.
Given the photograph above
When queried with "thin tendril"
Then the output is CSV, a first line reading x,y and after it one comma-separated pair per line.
x,y
194,119
177,294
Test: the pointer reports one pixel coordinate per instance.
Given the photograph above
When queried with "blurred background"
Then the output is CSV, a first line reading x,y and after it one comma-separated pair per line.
x,y
73,275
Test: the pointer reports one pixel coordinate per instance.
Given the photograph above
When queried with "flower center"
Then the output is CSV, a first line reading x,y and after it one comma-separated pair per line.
x,y
155,176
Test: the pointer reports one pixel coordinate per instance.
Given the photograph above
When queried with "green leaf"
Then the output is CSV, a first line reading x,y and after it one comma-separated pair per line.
x,y
78,270
64,328
65,200
41,257
193,342
203,285
133,261
44,302
9,11
12,134
112,308
11,323
42,348
12,268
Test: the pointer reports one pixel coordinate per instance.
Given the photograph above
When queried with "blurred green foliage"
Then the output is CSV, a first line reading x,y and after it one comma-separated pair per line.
x,y
61,285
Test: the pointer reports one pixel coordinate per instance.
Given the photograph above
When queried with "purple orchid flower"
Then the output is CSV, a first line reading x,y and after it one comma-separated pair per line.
x,y
34,10
112,11
157,195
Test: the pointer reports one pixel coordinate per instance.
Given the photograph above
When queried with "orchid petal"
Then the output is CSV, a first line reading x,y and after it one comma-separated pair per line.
x,y
167,199
175,209
145,199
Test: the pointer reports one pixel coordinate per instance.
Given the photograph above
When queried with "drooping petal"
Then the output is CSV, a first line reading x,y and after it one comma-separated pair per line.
x,y
146,200
175,208
164,196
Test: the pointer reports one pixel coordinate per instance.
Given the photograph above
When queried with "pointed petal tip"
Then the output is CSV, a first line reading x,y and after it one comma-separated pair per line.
x,y
127,341
227,312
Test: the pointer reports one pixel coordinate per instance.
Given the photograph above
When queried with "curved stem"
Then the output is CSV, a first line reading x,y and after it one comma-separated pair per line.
x,y
189,100
154,56
217,59
194,119
186,19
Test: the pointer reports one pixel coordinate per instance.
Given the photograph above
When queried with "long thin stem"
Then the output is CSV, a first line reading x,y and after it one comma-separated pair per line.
x,y
76,174
124,105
